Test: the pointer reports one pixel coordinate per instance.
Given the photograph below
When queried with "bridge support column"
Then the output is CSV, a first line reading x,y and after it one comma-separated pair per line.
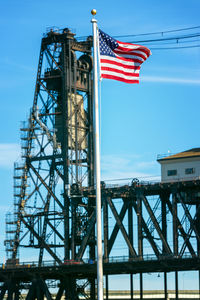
x,y
141,286
38,290
199,284
107,288
165,284
12,288
92,288
131,285
176,285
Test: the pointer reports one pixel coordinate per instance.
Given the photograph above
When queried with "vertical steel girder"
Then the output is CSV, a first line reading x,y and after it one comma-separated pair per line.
x,y
130,225
11,286
107,287
164,218
66,88
198,227
105,228
3,291
165,285
175,227
131,286
176,284
139,226
60,291
38,290
141,286
182,231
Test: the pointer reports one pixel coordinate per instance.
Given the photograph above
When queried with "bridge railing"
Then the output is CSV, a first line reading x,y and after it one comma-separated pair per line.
x,y
113,259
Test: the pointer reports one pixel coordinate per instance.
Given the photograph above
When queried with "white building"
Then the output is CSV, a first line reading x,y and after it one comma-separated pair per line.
x,y
181,166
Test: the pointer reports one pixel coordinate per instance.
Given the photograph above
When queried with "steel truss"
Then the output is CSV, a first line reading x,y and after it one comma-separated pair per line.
x,y
167,220
166,217
54,199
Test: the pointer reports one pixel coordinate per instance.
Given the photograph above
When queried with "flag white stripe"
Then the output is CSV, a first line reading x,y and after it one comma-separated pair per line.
x,y
133,46
134,51
128,77
128,46
130,56
131,71
118,60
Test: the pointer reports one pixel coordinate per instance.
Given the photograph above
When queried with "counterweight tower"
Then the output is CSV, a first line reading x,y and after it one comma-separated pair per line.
x,y
50,215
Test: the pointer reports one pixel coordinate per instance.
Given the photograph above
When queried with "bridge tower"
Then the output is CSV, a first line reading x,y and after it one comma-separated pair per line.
x,y
50,216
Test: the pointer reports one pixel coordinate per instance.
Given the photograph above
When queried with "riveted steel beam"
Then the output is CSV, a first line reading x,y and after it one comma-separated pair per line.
x,y
121,227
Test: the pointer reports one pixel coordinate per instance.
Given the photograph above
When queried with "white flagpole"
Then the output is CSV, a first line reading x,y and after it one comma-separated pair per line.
x,y
97,164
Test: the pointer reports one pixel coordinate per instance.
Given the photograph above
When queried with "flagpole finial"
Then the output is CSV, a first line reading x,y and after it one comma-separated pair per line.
x,y
93,12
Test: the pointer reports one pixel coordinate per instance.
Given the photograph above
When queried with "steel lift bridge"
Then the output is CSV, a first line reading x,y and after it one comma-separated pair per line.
x,y
54,216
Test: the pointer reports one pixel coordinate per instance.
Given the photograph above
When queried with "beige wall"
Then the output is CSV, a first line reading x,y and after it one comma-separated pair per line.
x,y
180,165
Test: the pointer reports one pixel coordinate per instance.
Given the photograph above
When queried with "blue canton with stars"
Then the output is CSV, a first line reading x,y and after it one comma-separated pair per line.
x,y
107,44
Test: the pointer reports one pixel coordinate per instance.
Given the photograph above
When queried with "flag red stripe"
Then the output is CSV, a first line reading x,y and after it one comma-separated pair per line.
x,y
129,59
119,78
119,64
129,53
142,48
119,71
132,50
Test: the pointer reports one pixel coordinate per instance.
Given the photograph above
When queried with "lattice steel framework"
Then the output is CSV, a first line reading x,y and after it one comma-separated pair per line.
x,y
57,156
158,225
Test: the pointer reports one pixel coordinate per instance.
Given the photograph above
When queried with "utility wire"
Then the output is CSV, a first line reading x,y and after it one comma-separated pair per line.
x,y
179,42
172,48
148,33
157,32
177,38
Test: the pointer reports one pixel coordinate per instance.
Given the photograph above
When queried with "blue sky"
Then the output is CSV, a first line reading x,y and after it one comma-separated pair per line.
x,y
138,122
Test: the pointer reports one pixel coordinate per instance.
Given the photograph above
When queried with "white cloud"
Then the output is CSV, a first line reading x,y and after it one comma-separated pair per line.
x,y
123,169
7,61
9,153
170,80
146,164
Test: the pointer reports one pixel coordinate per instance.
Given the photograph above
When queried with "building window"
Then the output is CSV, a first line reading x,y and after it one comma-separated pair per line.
x,y
189,171
171,172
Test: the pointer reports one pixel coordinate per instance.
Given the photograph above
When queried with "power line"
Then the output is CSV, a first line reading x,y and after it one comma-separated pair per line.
x,y
157,32
165,40
177,38
172,48
148,33
179,42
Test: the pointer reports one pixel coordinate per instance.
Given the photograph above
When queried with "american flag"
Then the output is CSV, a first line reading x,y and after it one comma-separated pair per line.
x,y
120,61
